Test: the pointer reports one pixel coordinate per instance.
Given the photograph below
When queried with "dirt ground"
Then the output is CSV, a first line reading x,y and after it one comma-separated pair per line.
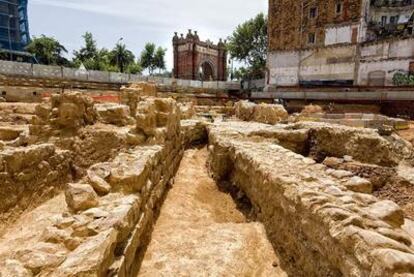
x,y
408,134
200,232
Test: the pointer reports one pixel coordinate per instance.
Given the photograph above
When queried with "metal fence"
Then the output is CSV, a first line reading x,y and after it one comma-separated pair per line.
x,y
64,73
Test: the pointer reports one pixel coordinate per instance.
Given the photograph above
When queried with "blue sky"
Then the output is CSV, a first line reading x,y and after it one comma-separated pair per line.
x,y
138,21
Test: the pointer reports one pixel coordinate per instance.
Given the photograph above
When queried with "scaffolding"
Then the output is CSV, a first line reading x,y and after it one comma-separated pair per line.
x,y
14,25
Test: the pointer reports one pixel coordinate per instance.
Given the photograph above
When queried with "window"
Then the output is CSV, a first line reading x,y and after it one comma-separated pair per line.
x,y
394,19
311,38
338,8
384,20
313,12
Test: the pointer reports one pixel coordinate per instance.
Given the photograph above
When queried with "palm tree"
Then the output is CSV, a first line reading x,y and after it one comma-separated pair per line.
x,y
121,57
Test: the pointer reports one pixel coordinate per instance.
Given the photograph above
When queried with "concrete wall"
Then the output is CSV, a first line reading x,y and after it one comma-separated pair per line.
x,y
337,63
335,35
319,64
284,68
57,72
385,58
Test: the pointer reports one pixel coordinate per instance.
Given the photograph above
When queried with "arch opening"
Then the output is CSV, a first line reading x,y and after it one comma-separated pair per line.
x,y
206,71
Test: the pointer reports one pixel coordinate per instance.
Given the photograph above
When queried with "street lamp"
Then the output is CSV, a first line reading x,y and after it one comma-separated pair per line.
x,y
10,42
117,56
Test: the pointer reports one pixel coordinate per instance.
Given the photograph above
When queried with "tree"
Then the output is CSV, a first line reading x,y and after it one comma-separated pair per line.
x,y
47,50
248,44
159,58
121,57
134,68
152,58
90,56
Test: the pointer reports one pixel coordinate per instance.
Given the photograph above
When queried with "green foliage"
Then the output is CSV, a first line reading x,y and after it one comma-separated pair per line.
x,y
248,44
401,79
90,56
121,57
47,50
159,58
152,58
134,68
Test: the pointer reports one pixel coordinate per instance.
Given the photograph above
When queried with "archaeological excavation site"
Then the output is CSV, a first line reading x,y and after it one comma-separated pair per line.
x,y
153,181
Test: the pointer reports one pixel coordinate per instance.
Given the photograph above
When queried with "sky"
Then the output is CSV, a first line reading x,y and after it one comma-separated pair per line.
x,y
138,21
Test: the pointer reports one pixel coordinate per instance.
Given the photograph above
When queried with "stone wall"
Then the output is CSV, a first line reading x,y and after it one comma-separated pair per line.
x,y
317,218
31,175
109,214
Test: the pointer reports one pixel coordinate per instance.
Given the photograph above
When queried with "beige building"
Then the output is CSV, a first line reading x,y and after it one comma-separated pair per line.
x,y
339,42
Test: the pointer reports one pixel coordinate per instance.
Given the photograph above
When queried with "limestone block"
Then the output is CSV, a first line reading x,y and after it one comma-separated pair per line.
x,y
244,110
358,184
40,258
72,110
114,114
269,114
387,211
80,197
92,258
13,268
98,175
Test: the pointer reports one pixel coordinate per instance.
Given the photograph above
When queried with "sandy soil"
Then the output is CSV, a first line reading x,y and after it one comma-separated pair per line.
x,y
200,232
408,134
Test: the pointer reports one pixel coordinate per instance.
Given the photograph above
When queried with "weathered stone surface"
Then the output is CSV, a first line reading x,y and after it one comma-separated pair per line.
x,y
388,211
339,141
92,258
13,268
80,197
97,177
342,230
244,110
30,175
358,184
40,258
114,114
263,113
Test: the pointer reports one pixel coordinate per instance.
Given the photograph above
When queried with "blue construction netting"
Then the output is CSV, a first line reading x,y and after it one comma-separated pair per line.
x,y
14,25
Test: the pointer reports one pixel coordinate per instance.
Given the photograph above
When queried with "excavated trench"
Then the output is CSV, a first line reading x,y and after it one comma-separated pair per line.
x,y
115,199
200,231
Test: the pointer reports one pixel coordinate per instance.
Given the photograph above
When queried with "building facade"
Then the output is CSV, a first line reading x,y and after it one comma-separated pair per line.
x,y
199,60
339,42
14,26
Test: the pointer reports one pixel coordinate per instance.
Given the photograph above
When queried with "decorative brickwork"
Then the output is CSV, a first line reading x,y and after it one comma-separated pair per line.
x,y
198,60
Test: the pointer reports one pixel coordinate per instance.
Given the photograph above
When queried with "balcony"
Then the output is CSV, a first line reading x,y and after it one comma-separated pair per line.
x,y
391,3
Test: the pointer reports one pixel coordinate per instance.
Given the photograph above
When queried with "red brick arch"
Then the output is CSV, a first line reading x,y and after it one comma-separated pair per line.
x,y
190,53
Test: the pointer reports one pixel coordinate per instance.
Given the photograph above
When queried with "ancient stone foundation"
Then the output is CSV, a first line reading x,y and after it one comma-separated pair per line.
x,y
83,187
321,221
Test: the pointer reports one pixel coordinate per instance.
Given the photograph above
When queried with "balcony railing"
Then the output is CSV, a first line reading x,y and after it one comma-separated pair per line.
x,y
392,3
